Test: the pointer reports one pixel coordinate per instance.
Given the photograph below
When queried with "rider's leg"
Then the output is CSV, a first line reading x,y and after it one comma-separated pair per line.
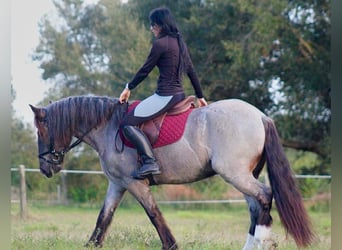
x,y
137,137
144,148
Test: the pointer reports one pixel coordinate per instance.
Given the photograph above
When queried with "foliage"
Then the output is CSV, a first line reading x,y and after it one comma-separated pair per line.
x,y
95,49
304,114
244,49
96,185
23,144
274,54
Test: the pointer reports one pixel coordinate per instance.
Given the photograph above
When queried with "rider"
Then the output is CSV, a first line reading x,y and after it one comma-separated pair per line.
x,y
169,53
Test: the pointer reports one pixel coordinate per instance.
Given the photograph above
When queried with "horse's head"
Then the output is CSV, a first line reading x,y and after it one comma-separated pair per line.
x,y
50,152
65,119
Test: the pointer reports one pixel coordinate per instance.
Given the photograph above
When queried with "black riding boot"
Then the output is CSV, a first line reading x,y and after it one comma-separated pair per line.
x,y
144,148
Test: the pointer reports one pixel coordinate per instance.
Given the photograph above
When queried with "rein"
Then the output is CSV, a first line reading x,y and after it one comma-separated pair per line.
x,y
120,150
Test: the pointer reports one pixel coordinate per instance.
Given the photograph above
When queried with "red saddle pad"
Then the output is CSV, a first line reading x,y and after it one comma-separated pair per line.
x,y
171,130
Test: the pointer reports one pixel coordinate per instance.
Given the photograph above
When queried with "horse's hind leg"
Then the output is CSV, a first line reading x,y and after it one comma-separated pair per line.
x,y
259,199
141,191
254,208
113,198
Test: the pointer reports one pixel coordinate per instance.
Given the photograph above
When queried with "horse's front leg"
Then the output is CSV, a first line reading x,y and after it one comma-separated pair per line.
x,y
141,191
113,198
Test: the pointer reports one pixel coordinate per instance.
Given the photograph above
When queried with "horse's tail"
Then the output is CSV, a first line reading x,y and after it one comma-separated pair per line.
x,y
286,194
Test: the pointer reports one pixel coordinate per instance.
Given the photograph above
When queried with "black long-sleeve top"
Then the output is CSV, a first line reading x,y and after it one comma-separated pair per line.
x,y
165,55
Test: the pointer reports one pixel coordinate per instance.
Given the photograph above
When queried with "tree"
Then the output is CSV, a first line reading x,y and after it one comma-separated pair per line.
x,y
273,54
96,185
303,68
95,49
23,145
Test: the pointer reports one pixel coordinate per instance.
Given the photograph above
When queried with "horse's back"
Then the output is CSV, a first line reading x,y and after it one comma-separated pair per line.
x,y
235,106
229,114
233,131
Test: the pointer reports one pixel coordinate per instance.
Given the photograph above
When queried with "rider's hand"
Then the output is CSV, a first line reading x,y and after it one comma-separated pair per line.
x,y
202,102
124,95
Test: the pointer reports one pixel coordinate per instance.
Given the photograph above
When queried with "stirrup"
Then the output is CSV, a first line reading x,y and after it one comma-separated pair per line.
x,y
145,170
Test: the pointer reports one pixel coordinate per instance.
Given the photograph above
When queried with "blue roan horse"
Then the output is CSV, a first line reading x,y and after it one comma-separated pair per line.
x,y
229,138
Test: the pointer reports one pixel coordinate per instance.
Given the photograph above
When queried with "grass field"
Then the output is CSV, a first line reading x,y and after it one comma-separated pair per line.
x,y
212,227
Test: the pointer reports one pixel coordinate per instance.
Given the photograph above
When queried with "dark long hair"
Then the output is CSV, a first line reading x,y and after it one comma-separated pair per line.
x,y
163,17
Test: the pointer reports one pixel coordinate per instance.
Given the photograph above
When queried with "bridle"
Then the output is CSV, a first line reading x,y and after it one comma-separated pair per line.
x,y
58,156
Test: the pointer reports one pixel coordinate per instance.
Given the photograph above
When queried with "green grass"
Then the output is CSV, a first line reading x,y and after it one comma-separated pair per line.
x,y
222,227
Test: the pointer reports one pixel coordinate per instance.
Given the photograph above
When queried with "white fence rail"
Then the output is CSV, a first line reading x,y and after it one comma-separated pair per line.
x,y
101,172
23,199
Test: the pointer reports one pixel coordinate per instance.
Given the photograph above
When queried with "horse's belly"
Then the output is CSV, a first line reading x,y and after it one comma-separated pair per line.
x,y
182,163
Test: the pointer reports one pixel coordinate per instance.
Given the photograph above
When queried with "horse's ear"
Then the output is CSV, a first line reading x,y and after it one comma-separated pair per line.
x,y
39,113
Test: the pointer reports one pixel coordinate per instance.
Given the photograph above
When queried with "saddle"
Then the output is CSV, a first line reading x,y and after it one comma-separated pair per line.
x,y
152,128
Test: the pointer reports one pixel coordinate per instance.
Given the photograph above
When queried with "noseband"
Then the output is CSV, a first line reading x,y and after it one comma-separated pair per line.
x,y
57,157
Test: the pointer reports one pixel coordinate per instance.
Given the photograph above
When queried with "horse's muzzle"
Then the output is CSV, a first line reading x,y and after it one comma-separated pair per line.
x,y
48,170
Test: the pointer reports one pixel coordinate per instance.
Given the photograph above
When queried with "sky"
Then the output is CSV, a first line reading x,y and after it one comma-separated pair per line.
x,y
25,73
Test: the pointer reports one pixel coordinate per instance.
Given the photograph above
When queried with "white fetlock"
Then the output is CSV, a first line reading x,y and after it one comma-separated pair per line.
x,y
263,237
249,243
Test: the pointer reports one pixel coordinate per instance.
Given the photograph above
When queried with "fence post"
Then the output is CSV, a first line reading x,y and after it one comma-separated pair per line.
x,y
59,194
23,201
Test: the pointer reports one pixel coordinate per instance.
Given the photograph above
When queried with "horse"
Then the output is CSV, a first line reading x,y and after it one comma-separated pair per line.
x,y
230,138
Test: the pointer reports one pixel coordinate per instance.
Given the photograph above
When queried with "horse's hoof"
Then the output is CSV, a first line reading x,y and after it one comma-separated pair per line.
x,y
92,244
173,247
268,244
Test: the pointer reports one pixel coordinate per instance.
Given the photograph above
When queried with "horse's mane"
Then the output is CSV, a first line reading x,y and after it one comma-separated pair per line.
x,y
79,113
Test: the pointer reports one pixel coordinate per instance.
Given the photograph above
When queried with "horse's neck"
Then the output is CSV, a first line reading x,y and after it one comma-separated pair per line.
x,y
99,136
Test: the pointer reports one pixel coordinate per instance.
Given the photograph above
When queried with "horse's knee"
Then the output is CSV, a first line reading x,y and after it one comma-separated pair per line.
x,y
265,197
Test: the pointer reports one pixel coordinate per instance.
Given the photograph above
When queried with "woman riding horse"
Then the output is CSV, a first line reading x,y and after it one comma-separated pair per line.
x,y
169,53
